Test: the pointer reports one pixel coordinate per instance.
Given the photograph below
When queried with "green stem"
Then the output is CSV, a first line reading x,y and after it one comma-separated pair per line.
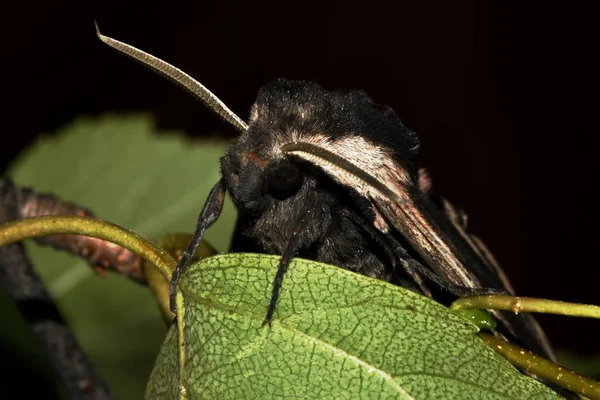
x,y
527,304
159,286
174,244
29,228
544,369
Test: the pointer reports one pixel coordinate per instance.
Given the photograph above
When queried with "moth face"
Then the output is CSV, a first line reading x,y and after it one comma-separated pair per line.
x,y
257,180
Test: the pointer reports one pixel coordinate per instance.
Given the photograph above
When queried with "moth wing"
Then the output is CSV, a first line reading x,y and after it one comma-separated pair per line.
x,y
463,259
435,234
459,220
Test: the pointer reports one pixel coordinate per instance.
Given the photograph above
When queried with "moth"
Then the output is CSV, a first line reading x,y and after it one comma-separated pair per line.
x,y
332,176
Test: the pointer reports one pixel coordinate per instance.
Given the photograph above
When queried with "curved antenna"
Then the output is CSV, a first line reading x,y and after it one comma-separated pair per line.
x,y
179,77
339,165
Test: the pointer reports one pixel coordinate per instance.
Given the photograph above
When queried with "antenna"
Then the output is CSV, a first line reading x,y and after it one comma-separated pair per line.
x,y
178,76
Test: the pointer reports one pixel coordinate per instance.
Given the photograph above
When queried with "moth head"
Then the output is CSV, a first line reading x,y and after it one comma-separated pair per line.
x,y
257,184
360,144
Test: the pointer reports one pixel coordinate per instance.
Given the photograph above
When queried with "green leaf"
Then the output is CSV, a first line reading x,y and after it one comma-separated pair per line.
x,y
335,335
152,182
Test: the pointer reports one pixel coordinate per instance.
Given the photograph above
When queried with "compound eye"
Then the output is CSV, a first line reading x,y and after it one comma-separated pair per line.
x,y
283,179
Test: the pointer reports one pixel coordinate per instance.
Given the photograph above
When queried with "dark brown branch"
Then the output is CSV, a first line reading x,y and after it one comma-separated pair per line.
x,y
101,254
23,285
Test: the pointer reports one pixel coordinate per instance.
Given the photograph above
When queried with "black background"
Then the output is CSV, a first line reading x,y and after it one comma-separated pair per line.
x,y
499,92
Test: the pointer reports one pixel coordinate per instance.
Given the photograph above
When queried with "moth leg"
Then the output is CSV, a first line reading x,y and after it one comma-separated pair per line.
x,y
292,248
210,213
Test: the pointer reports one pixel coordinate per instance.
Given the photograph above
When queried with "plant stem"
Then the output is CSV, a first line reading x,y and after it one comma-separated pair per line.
x,y
544,369
527,304
174,244
16,231
20,281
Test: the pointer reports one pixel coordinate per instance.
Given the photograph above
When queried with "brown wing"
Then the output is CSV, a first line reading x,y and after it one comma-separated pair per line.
x,y
441,239
459,220
399,202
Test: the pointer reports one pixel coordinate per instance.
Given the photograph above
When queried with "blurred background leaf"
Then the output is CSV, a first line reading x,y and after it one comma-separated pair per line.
x,y
152,182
